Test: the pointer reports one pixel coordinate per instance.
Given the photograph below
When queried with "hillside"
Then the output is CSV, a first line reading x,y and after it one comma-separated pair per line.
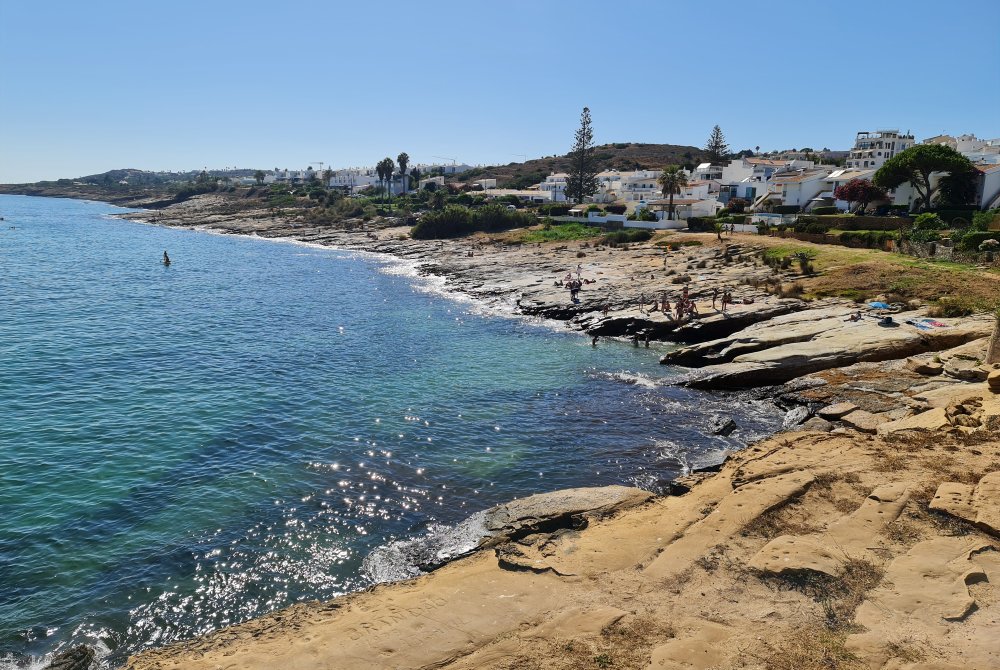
x,y
617,156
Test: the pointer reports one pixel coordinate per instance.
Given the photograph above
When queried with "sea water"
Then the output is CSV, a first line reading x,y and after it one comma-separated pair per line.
x,y
189,446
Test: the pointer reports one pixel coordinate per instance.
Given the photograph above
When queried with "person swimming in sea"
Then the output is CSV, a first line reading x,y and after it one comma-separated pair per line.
x,y
166,258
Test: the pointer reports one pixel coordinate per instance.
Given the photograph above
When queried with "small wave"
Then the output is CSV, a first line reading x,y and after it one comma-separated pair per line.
x,y
405,559
10,662
631,378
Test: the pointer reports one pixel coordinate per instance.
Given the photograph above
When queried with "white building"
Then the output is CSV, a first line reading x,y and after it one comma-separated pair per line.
x,y
707,172
989,185
438,182
555,186
639,185
795,189
969,146
353,180
441,168
838,178
748,178
872,149
527,195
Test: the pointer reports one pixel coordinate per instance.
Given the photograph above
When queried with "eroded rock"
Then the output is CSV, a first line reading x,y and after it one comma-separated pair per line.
x,y
978,504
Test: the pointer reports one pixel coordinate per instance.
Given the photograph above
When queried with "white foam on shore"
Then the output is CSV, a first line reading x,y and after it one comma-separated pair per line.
x,y
409,269
401,559
632,378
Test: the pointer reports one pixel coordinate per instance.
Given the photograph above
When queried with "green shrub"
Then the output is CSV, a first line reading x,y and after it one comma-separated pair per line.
x,y
457,221
554,209
561,232
928,221
820,211
847,222
971,241
704,224
867,239
737,205
616,209
983,220
626,236
956,212
787,209
723,212
644,214
452,221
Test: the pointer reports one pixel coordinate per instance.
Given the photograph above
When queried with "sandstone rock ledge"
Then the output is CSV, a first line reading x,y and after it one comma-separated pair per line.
x,y
807,550
793,345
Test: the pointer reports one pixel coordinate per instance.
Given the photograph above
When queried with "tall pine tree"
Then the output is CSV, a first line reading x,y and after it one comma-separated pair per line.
x,y
717,149
582,179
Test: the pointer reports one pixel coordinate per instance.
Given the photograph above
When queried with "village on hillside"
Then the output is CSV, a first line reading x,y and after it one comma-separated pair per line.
x,y
768,186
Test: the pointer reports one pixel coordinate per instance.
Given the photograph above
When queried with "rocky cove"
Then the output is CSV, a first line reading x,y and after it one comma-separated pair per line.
x,y
806,549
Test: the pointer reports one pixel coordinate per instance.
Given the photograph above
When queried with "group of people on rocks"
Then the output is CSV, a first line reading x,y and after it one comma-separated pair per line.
x,y
574,285
727,298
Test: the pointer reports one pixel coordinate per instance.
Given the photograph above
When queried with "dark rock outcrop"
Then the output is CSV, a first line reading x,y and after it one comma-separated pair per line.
x,y
81,657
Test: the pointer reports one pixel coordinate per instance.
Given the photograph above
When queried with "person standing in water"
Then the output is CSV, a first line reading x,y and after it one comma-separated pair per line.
x,y
166,258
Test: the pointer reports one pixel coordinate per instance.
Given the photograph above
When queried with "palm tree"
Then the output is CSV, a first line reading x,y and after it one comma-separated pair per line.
x,y
403,159
327,176
259,176
384,170
672,180
380,173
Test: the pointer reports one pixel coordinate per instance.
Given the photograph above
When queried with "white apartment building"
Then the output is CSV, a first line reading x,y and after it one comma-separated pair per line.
x,y
872,149
798,188
639,185
969,146
441,168
747,178
555,187
707,172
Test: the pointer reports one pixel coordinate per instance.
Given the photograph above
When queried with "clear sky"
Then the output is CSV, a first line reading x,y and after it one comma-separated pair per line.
x,y
91,86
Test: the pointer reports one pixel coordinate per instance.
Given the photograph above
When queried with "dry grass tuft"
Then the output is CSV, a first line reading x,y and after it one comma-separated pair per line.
x,y
839,596
627,643
810,647
891,461
902,532
784,520
905,651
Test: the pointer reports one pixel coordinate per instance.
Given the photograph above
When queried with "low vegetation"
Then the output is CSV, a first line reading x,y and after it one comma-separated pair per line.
x,y
459,221
566,232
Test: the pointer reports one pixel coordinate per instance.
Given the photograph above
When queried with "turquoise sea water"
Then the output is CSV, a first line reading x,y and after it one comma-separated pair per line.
x,y
190,446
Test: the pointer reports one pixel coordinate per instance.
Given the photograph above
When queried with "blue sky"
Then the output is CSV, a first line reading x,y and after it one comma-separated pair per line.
x,y
91,86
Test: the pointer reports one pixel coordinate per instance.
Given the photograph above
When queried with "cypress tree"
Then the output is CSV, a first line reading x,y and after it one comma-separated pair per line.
x,y
582,180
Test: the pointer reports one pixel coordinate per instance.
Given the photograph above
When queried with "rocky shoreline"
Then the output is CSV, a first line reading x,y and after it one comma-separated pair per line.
x,y
807,550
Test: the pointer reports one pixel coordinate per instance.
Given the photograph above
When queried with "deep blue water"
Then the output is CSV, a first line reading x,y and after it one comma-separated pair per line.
x,y
190,446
